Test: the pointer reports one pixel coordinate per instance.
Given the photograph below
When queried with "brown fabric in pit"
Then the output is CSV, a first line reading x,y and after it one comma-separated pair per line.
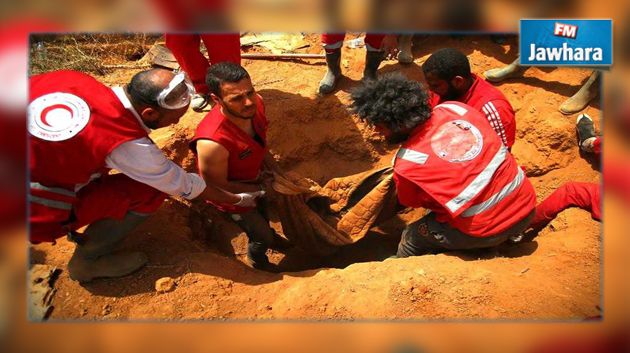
x,y
321,219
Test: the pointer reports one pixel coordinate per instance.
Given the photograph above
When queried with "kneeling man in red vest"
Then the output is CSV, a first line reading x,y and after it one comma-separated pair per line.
x,y
79,130
231,145
451,163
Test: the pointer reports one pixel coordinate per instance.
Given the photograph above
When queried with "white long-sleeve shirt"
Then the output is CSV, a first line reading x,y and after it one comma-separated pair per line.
x,y
143,161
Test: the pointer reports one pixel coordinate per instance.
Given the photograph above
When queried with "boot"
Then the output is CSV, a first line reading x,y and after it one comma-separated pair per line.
x,y
199,102
333,62
372,60
257,257
585,132
93,258
500,74
404,49
580,100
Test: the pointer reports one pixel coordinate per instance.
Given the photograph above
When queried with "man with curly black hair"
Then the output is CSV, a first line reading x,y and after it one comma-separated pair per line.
x,y
451,163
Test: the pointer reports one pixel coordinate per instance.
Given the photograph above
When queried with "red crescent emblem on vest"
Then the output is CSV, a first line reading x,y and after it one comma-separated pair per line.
x,y
44,114
457,141
57,116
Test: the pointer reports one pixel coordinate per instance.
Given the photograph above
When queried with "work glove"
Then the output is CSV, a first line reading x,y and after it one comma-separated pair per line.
x,y
248,199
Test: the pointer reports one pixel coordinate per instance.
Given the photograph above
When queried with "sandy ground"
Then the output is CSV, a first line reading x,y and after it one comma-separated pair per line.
x,y
555,277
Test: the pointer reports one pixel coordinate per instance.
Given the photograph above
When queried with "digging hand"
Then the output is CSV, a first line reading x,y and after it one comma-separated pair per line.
x,y
248,199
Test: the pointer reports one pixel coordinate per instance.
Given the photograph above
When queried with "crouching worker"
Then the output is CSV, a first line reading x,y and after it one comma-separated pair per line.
x,y
451,163
231,145
79,129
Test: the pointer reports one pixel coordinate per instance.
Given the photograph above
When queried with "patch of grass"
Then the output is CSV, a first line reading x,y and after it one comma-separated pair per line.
x,y
97,54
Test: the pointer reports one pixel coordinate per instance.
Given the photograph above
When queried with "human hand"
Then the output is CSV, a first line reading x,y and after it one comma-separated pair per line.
x,y
248,199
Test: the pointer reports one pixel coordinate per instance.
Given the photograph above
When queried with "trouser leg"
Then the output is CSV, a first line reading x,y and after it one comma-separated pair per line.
x,y
112,206
93,255
428,235
223,47
597,146
185,48
373,41
572,194
259,233
332,41
414,239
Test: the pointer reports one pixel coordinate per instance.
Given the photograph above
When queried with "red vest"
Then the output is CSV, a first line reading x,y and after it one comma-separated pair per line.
x,y
459,162
245,153
74,124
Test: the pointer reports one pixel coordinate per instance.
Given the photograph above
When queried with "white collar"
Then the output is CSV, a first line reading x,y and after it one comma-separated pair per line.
x,y
120,93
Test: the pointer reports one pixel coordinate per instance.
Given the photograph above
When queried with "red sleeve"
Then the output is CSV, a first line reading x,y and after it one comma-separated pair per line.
x,y
597,146
501,116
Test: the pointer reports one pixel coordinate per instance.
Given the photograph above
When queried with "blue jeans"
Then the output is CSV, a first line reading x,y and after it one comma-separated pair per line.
x,y
427,235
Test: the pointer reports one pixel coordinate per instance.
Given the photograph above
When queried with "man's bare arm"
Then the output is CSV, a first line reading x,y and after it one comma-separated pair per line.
x,y
213,166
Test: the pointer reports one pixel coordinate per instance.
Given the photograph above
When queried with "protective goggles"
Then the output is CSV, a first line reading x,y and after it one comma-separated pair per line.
x,y
177,94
